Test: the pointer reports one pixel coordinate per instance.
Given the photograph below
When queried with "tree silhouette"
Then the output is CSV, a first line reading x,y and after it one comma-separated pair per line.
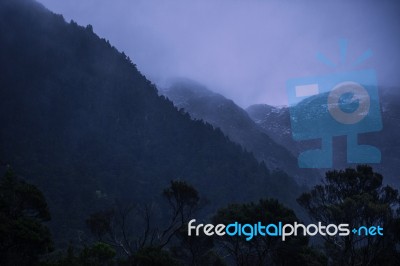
x,y
264,250
113,226
23,209
358,198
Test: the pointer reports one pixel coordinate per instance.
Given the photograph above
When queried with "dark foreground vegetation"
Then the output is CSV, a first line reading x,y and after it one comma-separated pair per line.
x,y
130,234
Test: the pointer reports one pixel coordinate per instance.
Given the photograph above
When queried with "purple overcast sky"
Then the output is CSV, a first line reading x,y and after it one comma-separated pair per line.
x,y
245,50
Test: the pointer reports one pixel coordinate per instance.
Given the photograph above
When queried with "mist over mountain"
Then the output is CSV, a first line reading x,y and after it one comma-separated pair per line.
x,y
84,125
244,50
213,108
276,123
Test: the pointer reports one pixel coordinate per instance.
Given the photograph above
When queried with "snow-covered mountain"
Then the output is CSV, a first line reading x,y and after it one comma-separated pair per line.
x,y
275,122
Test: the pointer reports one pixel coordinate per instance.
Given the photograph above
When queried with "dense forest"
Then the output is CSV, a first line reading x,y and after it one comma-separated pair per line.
x,y
355,196
80,121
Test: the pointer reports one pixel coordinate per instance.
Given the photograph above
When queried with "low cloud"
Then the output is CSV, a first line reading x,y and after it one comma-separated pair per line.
x,y
245,50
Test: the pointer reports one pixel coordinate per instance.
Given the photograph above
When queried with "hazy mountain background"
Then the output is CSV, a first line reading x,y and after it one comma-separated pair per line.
x,y
223,113
275,122
266,131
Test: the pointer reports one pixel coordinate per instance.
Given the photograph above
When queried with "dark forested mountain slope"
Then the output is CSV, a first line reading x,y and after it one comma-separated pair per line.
x,y
84,125
223,113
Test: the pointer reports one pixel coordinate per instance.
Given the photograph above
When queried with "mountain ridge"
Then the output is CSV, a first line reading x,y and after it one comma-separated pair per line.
x,y
276,123
84,125
223,113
